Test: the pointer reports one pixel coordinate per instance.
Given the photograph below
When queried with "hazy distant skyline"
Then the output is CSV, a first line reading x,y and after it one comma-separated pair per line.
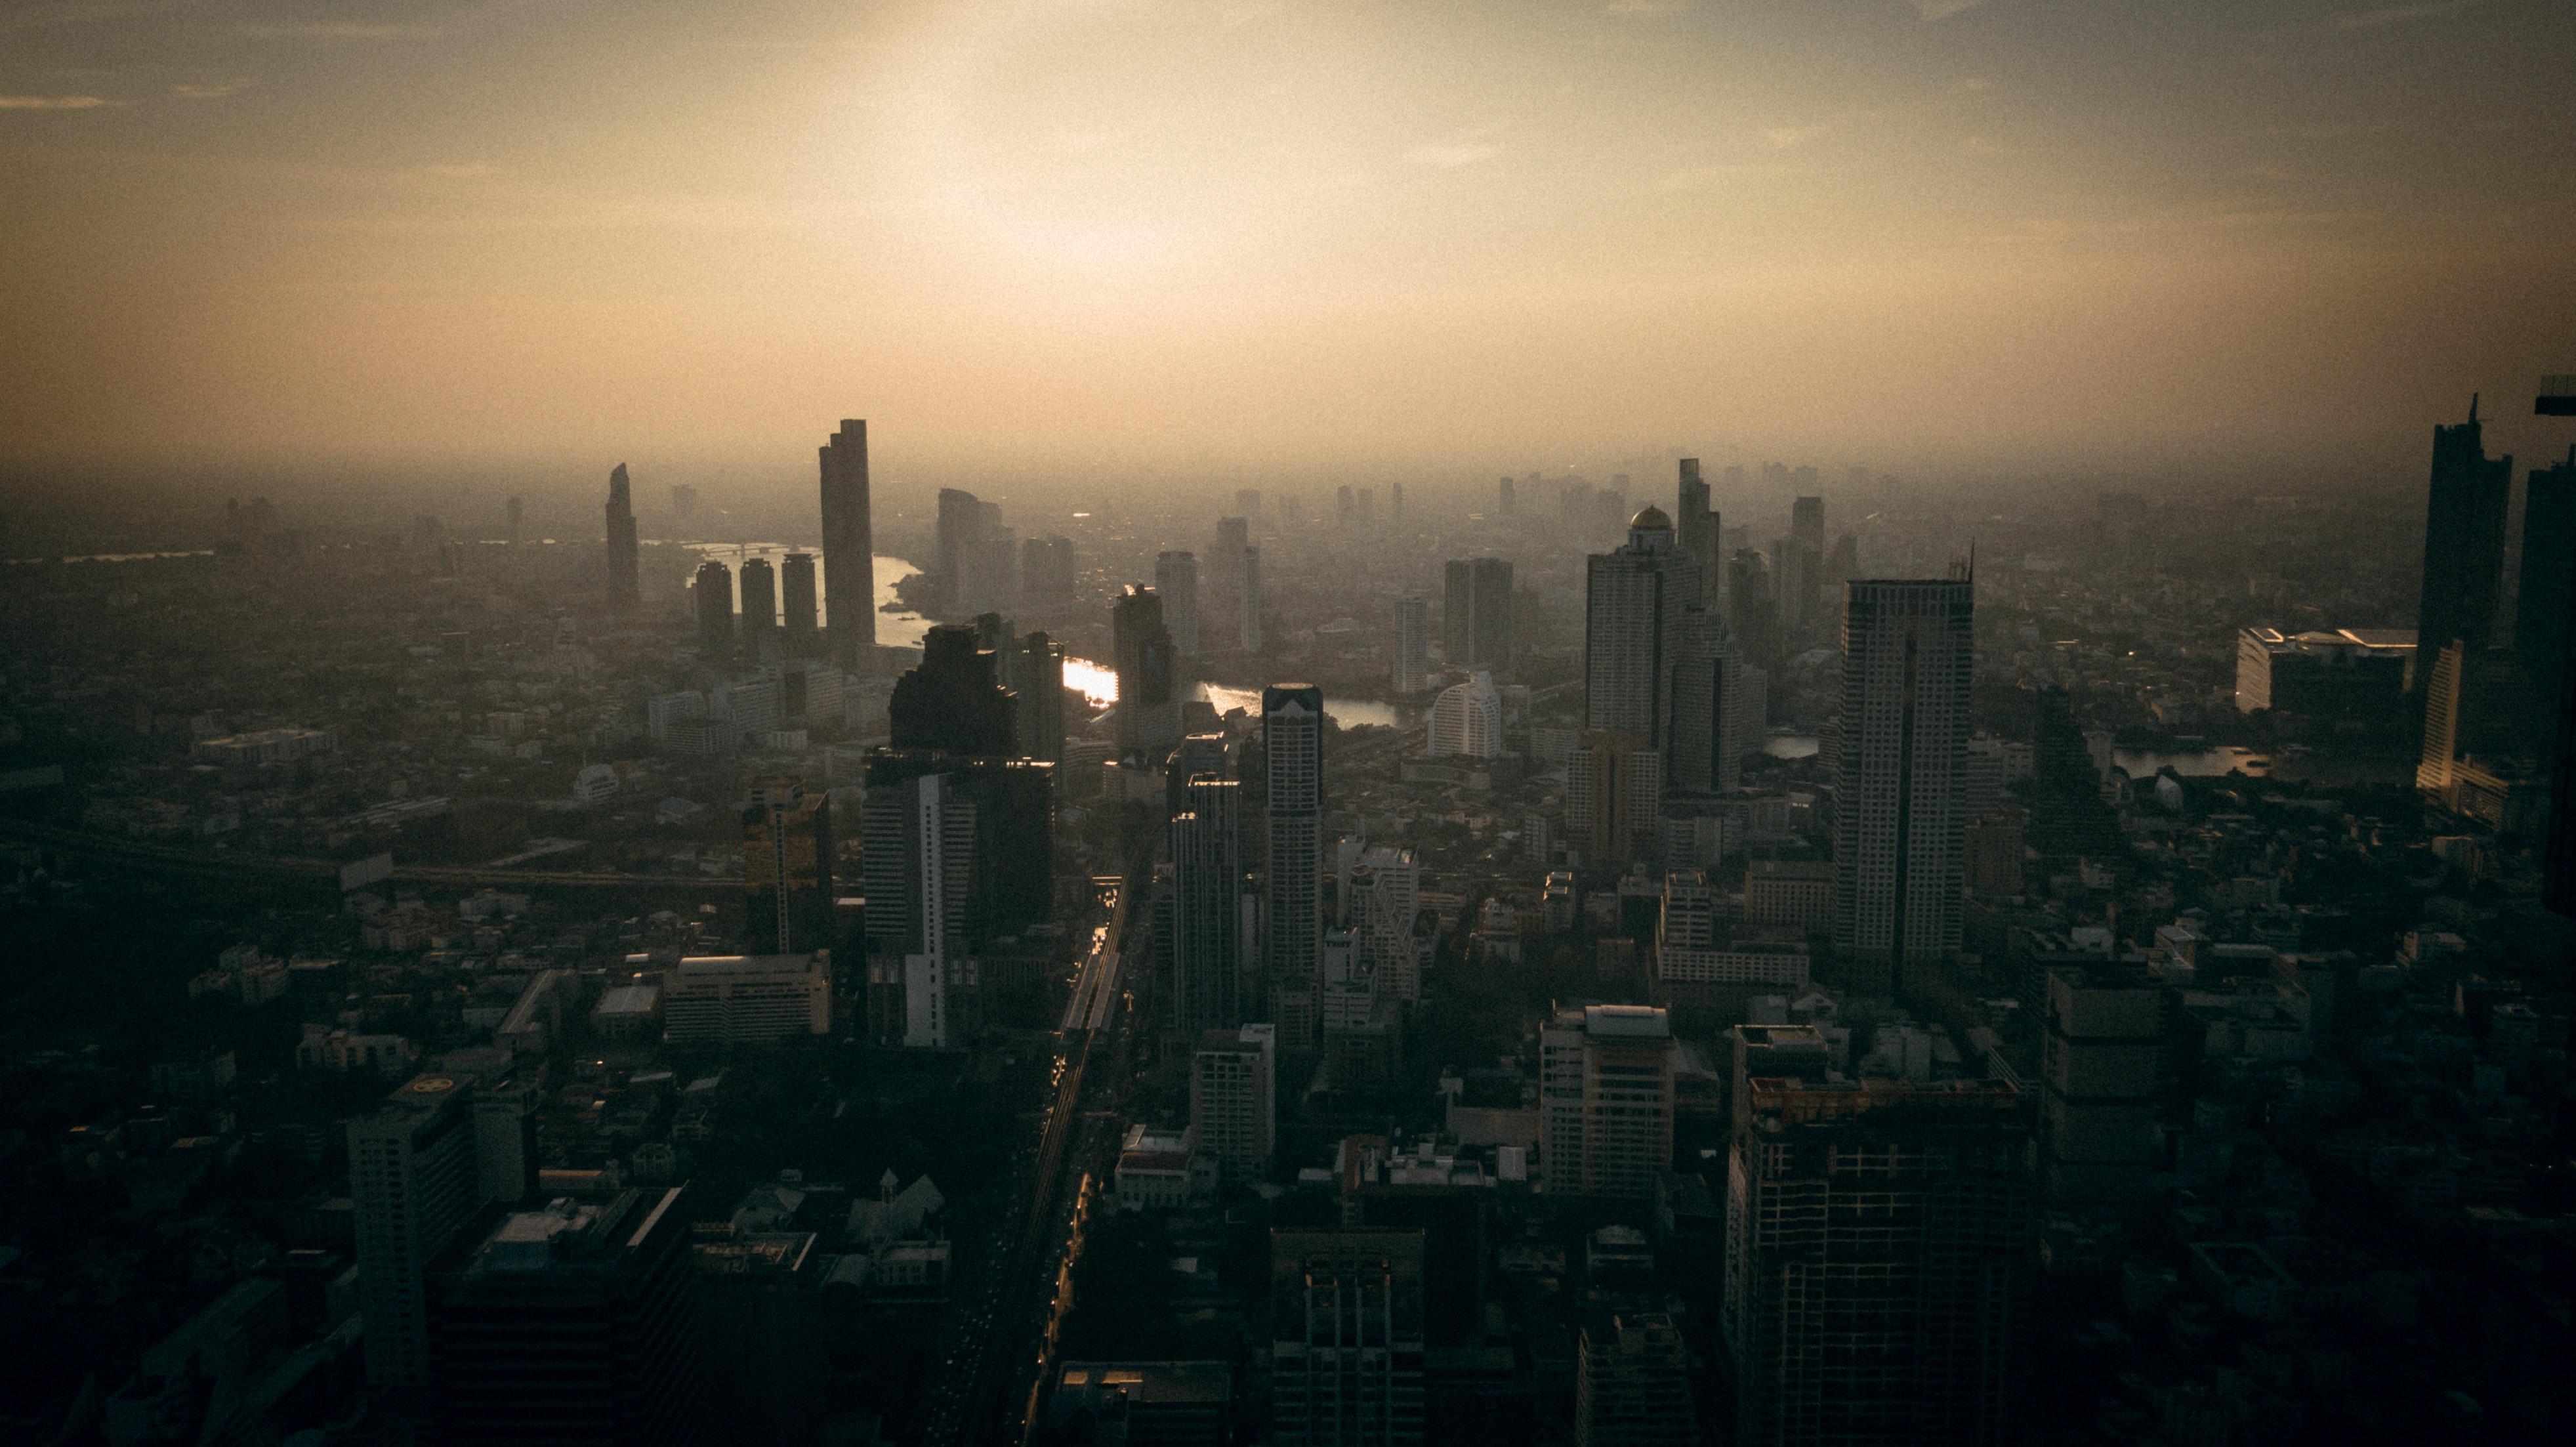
x,y
1241,237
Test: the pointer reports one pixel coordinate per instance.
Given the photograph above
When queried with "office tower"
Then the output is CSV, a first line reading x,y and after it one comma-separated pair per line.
x,y
1686,929
1346,1342
1899,1333
988,569
1412,644
572,1325
2069,820
1605,1091
1716,706
960,526
767,1358
1842,564
1149,701
2464,526
518,510
2558,849
1503,501
1342,507
2097,1113
2546,589
1367,511
2442,693
951,700
803,634
1395,503
787,868
958,852
1234,1085
1696,530
849,544
1991,854
1467,720
1046,572
1247,501
1635,629
1292,756
759,584
1476,615
1176,582
713,595
1632,1383
1795,565
1807,524
1207,910
1753,609
624,592
1614,786
713,1000
1249,634
433,1153
1037,681
1907,650
1386,894
1196,754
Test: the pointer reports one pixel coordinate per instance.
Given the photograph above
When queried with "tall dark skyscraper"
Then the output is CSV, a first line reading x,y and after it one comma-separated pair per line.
x,y
849,543
1292,756
623,591
1635,629
952,700
1207,894
1901,781
958,853
1476,615
759,584
960,528
797,592
1504,502
2546,591
1807,522
787,869
2464,526
713,595
1149,704
1696,528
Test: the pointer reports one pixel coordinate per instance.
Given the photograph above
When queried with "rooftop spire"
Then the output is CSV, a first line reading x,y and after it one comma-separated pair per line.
x,y
2473,406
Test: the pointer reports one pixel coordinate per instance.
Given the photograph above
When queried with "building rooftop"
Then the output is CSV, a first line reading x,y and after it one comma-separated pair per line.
x,y
701,966
1640,1021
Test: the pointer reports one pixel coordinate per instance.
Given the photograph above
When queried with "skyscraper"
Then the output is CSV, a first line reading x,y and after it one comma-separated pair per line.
x,y
1037,681
1466,720
849,545
574,1325
1234,1089
951,700
787,869
623,590
759,584
1635,629
1614,786
1605,1092
1696,528
1292,755
958,853
1176,581
1248,633
433,1153
804,616
1412,644
2464,526
1346,1348
1149,703
1207,912
1899,1332
1716,706
712,593
1476,615
1632,1384
1386,894
2546,589
1807,523
1504,502
1900,784
1395,503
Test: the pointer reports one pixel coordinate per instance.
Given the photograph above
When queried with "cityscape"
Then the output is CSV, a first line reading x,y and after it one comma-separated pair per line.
x,y
1869,931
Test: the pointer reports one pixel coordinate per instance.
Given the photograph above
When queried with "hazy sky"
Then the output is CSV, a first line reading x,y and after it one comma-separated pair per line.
x,y
1235,234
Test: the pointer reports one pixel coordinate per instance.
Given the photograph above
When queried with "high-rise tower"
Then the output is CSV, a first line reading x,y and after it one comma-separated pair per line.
x,y
712,592
849,542
1476,615
1149,702
759,583
2464,526
1292,755
623,591
1635,629
787,868
1695,527
1207,913
1176,579
1412,644
1900,787
796,590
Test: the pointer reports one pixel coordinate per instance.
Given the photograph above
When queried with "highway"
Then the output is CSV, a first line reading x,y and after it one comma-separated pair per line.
x,y
226,864
987,1376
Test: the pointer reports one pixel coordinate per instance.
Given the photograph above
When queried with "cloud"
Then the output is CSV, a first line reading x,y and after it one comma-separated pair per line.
x,y
2398,14
1943,9
211,92
1781,138
51,102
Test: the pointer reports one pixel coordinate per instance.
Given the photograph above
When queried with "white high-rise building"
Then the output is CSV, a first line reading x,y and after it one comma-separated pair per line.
x,y
1233,1097
1176,579
1901,783
1467,720
1412,644
419,1168
1292,754
1386,893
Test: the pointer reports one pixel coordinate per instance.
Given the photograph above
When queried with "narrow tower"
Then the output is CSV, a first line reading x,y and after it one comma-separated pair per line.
x,y
849,564
623,592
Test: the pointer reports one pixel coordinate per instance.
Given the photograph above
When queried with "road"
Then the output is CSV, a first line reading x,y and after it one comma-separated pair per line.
x,y
227,864
986,1378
